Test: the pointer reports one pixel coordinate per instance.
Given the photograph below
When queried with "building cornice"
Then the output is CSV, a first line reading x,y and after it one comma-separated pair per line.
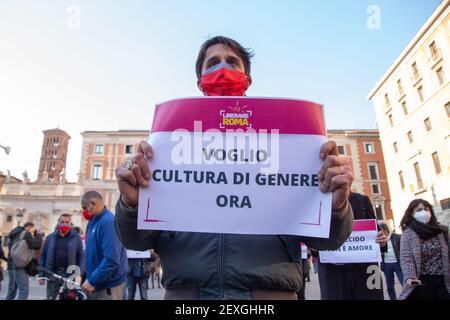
x,y
410,47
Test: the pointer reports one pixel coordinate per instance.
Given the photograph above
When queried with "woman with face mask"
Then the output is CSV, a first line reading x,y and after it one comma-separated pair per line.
x,y
424,254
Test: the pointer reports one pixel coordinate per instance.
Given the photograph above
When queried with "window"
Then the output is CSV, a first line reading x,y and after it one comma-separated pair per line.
x,y
420,93
427,123
395,145
97,173
440,75
8,218
99,149
369,148
373,171
129,148
418,176
436,162
5,241
402,181
447,108
379,211
415,71
445,204
341,150
391,120
400,87
434,51
386,100
405,108
410,137
375,188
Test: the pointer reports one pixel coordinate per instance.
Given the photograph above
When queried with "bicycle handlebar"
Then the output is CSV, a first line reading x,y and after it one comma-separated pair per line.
x,y
56,276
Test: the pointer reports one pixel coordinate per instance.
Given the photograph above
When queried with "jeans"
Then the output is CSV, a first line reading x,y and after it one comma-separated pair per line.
x,y
18,280
389,270
142,283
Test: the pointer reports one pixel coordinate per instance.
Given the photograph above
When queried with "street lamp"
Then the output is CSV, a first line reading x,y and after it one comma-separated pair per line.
x,y
7,149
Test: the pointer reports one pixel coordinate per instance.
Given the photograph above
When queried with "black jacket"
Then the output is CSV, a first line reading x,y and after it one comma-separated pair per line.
x,y
227,266
34,241
348,281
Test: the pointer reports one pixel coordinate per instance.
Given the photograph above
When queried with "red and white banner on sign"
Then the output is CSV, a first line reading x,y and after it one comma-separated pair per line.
x,y
360,247
236,165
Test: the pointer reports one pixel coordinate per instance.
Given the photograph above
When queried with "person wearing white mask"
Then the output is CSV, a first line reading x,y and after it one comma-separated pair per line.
x,y
424,254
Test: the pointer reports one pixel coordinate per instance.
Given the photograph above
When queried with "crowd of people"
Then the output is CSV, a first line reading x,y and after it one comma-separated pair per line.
x,y
418,258
100,267
232,266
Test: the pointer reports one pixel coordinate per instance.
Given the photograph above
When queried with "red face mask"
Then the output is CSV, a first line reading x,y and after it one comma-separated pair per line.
x,y
223,81
64,228
87,215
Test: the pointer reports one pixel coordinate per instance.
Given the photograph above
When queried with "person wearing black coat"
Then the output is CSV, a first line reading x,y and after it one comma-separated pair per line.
x,y
349,281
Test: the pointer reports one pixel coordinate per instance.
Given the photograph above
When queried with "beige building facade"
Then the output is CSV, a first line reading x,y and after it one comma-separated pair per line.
x,y
102,152
412,105
362,149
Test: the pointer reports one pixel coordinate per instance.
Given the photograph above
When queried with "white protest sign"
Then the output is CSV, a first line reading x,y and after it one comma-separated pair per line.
x,y
360,247
236,165
304,250
132,254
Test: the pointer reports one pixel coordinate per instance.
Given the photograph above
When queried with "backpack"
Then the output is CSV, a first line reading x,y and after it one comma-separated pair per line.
x,y
21,253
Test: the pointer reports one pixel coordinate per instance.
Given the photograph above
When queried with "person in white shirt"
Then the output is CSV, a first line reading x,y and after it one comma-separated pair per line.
x,y
391,261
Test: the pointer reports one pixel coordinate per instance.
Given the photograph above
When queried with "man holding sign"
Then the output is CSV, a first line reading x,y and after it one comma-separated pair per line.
x,y
222,264
352,271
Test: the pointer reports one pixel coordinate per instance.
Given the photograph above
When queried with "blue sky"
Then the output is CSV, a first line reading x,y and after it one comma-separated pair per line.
x,y
129,55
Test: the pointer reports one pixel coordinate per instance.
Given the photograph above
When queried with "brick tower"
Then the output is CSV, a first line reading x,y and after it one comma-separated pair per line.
x,y
53,155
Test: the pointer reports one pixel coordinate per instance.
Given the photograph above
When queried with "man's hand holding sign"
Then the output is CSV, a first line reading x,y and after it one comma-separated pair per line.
x,y
238,217
334,176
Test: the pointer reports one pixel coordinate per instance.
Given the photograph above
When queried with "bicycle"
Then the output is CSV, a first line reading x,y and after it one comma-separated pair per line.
x,y
65,292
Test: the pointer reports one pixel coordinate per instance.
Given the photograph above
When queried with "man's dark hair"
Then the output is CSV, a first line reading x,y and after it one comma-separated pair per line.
x,y
28,224
244,53
65,215
384,226
409,213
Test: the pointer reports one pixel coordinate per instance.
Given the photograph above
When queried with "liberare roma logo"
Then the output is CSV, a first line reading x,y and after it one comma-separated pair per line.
x,y
235,116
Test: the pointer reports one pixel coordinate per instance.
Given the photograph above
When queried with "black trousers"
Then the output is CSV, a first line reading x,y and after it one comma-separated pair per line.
x,y
347,282
432,288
